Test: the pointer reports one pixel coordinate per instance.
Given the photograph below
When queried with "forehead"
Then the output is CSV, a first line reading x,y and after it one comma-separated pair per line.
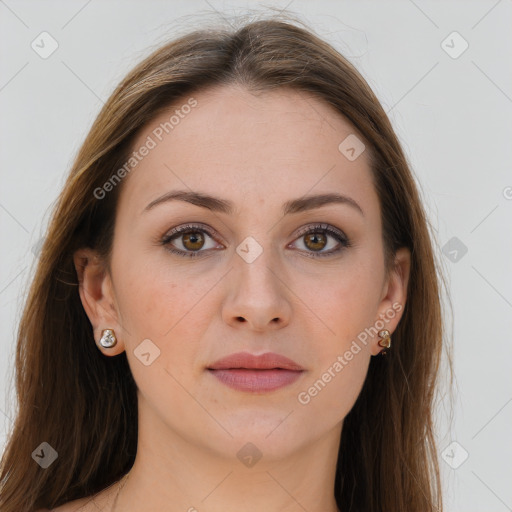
x,y
249,148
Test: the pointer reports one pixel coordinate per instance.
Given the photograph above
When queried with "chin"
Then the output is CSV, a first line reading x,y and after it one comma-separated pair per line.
x,y
275,431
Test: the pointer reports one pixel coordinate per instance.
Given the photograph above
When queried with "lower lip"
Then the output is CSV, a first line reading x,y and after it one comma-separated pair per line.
x,y
256,381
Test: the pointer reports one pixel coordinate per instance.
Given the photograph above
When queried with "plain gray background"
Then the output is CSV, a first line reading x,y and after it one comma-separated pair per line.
x,y
452,110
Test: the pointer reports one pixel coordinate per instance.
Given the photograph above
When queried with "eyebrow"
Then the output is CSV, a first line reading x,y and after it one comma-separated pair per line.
x,y
216,204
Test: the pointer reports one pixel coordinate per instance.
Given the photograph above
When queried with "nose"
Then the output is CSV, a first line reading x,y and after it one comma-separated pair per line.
x,y
258,297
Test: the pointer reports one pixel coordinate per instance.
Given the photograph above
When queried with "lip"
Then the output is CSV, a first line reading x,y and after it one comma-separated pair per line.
x,y
256,373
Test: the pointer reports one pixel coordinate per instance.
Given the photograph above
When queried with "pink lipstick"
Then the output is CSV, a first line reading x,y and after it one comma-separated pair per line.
x,y
247,372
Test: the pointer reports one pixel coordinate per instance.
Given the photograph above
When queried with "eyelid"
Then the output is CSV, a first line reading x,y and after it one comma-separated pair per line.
x,y
321,226
198,226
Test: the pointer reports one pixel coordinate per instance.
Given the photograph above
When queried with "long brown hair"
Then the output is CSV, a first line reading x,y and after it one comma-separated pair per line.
x,y
84,405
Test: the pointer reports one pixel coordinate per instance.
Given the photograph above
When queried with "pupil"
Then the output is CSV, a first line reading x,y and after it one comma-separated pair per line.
x,y
314,238
193,239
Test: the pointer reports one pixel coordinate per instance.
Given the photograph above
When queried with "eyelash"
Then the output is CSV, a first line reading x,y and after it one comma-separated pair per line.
x,y
317,228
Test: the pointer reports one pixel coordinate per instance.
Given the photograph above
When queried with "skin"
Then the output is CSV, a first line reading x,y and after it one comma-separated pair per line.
x,y
257,151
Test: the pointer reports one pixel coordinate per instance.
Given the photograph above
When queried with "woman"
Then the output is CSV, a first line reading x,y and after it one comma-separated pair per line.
x,y
237,303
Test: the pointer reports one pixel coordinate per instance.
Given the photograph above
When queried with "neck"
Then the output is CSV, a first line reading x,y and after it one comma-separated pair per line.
x,y
177,474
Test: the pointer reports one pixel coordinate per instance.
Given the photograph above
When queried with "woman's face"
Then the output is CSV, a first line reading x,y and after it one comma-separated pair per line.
x,y
247,278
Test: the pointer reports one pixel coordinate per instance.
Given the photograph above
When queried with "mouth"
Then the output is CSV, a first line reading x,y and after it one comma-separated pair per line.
x,y
256,374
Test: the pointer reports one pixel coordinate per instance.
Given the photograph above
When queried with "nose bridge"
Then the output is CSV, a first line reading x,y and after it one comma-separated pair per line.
x,y
258,295
257,266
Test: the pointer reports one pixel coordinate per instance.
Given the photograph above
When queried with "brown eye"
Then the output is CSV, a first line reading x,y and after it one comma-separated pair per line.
x,y
315,241
189,241
193,241
317,238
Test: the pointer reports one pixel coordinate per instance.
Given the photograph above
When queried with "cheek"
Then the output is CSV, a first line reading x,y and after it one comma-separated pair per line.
x,y
170,307
348,305
156,299
159,306
332,392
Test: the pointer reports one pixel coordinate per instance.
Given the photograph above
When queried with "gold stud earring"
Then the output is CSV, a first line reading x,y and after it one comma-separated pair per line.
x,y
385,341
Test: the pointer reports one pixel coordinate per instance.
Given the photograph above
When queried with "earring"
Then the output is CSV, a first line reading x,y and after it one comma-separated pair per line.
x,y
108,338
385,341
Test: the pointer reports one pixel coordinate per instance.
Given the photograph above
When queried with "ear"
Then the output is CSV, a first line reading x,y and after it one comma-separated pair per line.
x,y
97,296
394,296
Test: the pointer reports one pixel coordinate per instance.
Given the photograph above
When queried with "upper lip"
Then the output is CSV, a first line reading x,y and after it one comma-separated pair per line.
x,y
266,361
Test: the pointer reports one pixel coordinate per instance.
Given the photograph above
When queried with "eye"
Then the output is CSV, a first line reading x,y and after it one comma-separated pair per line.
x,y
191,239
316,238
